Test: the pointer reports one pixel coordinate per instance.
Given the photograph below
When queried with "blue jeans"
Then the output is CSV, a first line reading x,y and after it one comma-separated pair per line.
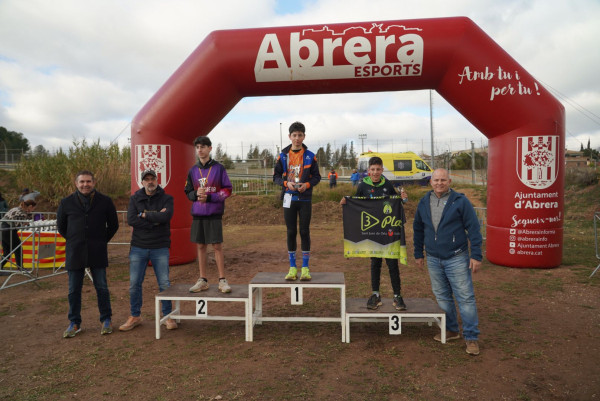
x,y
450,279
138,261
100,284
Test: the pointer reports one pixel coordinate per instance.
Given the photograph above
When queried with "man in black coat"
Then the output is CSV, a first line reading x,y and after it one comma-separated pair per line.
x,y
87,220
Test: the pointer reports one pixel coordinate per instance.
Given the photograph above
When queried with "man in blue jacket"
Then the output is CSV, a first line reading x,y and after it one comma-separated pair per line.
x,y
445,223
149,214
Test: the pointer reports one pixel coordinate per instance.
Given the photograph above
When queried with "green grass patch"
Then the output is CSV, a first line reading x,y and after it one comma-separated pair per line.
x,y
579,243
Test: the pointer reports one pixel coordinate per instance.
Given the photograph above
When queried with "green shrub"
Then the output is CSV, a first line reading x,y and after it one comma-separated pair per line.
x,y
53,175
322,192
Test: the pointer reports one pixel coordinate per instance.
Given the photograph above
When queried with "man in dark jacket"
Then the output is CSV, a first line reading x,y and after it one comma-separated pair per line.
x,y
332,176
149,214
445,223
87,220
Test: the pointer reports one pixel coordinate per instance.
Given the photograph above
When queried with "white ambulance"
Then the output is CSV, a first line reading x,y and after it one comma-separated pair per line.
x,y
400,168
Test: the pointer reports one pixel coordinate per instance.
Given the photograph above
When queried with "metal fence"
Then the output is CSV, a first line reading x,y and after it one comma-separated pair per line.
x,y
259,184
44,247
123,235
482,217
40,248
596,224
9,158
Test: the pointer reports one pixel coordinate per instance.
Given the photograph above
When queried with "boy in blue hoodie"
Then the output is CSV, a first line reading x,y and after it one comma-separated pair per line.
x,y
297,172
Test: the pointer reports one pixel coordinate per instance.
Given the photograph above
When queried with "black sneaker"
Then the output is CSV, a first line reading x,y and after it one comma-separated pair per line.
x,y
374,302
399,303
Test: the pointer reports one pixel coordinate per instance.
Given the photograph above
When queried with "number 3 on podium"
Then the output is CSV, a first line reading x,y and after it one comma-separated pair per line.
x,y
395,324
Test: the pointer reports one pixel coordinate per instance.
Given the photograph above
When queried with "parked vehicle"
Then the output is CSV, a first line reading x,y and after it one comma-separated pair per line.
x,y
400,168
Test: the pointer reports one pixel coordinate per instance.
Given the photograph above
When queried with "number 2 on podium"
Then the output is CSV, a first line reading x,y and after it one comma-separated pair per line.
x,y
201,308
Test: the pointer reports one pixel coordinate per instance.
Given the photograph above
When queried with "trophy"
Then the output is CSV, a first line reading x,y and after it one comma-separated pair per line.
x,y
201,186
296,174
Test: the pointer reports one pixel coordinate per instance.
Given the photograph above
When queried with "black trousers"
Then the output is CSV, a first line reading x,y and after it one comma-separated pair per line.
x,y
394,270
298,210
10,243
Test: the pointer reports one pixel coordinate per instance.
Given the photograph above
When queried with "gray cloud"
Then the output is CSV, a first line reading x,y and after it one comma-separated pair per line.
x,y
83,69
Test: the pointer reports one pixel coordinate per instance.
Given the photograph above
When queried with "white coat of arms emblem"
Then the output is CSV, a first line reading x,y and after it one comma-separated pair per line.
x,y
155,157
537,160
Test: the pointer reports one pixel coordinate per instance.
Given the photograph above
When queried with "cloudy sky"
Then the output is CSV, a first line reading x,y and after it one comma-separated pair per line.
x,y
75,69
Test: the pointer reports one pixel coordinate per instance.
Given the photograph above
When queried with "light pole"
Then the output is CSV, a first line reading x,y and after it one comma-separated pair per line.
x,y
473,162
431,127
362,138
280,137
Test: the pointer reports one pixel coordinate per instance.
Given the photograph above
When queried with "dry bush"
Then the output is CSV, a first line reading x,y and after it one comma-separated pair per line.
x,y
53,175
581,177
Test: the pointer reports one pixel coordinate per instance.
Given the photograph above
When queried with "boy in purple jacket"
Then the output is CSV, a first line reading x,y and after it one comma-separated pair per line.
x,y
208,186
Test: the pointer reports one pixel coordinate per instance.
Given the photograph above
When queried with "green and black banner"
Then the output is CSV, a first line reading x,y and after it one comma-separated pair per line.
x,y
374,228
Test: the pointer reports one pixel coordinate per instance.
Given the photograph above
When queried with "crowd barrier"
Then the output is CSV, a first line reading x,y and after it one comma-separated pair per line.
x,y
41,246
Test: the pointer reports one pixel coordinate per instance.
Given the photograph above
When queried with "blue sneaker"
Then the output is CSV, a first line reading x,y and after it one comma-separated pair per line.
x,y
72,330
106,327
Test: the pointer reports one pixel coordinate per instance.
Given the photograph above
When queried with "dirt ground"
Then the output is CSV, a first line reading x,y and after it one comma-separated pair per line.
x,y
540,333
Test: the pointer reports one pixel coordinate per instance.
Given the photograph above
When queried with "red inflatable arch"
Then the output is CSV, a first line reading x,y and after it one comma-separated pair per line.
x,y
524,123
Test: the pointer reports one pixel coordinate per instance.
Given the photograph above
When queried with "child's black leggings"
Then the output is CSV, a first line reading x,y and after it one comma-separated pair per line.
x,y
302,210
394,270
